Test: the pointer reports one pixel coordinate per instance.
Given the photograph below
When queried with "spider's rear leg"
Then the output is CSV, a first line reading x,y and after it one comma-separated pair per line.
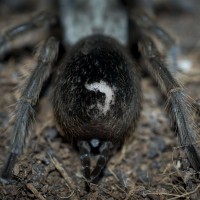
x,y
8,39
173,49
179,104
142,19
24,112
196,105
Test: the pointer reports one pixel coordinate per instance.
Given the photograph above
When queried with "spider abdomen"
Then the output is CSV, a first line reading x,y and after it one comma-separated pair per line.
x,y
97,94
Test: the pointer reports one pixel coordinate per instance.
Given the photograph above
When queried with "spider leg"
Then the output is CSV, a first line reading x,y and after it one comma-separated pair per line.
x,y
178,103
24,112
85,150
174,7
141,18
101,162
173,50
142,15
196,105
8,38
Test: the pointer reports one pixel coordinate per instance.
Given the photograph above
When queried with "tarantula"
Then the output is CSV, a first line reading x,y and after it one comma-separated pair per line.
x,y
97,92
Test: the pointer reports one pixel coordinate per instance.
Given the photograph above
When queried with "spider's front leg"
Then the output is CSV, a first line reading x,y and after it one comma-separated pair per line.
x,y
178,103
24,112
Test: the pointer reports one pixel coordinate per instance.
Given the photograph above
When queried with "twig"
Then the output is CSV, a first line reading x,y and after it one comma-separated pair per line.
x,y
31,187
108,192
175,195
67,179
64,174
186,194
131,192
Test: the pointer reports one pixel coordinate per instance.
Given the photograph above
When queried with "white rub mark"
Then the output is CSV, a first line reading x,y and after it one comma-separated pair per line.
x,y
103,87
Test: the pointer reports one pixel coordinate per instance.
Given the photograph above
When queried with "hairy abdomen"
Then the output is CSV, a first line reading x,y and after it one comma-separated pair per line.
x,y
97,94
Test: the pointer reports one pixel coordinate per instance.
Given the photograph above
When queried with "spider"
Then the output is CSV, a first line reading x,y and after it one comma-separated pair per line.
x,y
97,93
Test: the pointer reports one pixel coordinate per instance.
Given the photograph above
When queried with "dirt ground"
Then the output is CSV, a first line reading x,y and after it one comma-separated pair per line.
x,y
151,165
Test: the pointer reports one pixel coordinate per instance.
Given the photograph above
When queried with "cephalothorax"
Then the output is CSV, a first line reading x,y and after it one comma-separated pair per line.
x,y
97,94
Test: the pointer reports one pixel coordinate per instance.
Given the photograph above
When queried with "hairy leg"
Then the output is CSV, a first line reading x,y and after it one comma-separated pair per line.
x,y
142,19
196,105
9,37
24,112
179,104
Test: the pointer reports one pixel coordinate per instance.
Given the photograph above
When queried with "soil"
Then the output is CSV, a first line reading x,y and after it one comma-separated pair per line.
x,y
150,165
